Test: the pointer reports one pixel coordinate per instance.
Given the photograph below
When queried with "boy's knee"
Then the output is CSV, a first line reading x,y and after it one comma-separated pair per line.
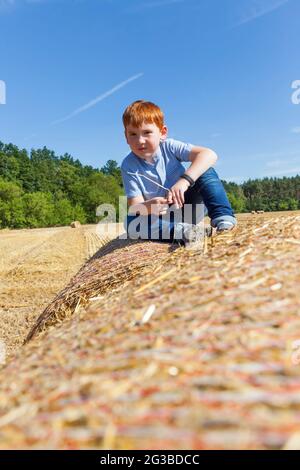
x,y
208,175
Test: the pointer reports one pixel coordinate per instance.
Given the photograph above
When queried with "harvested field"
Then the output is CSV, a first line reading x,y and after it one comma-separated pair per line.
x,y
35,265
153,347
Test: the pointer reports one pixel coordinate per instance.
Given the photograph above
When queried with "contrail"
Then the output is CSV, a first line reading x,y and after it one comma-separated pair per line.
x,y
98,99
261,11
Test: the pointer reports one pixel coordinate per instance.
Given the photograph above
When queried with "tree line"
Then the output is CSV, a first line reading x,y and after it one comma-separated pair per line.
x,y
267,194
41,189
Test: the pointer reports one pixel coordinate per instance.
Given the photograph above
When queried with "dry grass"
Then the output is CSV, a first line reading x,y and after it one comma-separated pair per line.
x,y
34,266
169,349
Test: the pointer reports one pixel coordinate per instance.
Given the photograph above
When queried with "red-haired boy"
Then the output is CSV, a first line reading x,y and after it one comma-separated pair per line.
x,y
156,181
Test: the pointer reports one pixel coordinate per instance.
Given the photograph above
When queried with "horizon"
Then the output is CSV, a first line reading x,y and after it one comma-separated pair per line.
x,y
184,163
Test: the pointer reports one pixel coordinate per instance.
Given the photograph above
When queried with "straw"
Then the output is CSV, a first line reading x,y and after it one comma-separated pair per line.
x,y
215,366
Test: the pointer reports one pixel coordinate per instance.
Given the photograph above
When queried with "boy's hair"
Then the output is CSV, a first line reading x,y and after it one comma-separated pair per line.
x,y
143,111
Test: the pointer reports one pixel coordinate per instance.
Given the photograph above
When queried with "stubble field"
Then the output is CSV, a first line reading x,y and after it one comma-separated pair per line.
x,y
35,264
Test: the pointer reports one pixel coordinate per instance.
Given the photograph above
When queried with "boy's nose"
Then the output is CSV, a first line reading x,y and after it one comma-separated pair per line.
x,y
141,139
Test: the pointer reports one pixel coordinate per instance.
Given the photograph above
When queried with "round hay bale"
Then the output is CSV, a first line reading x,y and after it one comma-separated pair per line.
x,y
75,224
114,264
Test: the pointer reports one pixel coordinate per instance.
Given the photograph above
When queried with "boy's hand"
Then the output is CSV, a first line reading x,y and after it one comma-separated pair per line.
x,y
176,193
157,205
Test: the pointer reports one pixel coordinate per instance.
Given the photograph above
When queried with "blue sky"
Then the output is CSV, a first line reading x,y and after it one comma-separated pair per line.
x,y
221,70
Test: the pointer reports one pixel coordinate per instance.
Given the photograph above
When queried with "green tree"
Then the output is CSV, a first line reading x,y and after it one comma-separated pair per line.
x,y
238,203
112,168
293,204
283,205
11,207
39,209
63,212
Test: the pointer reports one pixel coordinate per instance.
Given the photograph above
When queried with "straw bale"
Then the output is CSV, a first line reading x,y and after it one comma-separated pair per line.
x,y
75,224
195,351
113,265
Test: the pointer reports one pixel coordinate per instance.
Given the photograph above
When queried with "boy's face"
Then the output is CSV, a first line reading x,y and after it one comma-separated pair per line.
x,y
144,140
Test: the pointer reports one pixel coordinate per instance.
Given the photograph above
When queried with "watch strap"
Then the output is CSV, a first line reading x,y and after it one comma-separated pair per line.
x,y
189,179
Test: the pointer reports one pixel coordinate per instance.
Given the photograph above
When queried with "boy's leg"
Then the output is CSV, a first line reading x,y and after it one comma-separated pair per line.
x,y
150,227
208,189
169,227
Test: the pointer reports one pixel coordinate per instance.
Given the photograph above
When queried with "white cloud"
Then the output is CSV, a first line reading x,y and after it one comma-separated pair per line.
x,y
279,155
283,172
260,8
234,179
283,165
296,130
293,171
278,163
96,100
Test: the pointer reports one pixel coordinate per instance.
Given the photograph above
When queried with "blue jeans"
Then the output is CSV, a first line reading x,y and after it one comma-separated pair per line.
x,y
208,190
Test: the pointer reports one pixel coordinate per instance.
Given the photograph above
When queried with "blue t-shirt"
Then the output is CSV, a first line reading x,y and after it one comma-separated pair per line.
x,y
165,170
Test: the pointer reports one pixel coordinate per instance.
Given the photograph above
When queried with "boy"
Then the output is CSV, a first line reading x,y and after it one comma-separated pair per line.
x,y
157,184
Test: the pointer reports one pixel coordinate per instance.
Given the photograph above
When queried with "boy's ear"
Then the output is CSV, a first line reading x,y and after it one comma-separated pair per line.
x,y
164,133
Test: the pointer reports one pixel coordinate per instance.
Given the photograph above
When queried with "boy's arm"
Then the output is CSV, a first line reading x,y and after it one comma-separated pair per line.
x,y
156,205
201,159
135,204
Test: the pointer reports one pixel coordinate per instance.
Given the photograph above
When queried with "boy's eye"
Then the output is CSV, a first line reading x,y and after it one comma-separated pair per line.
x,y
133,134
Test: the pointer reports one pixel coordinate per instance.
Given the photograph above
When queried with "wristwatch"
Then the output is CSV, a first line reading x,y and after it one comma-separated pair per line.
x,y
189,179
